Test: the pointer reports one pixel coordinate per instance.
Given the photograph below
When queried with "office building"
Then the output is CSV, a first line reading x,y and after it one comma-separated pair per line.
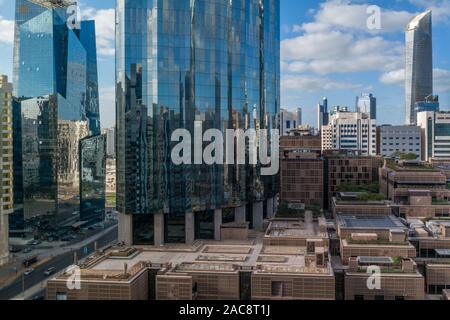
x,y
432,241
373,236
92,179
322,114
367,103
290,261
397,140
353,131
360,203
346,169
416,189
110,142
290,120
301,177
6,165
400,279
435,135
419,63
301,140
179,66
55,85
431,104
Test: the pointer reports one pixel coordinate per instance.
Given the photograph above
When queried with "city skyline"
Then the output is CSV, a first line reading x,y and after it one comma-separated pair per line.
x,y
373,66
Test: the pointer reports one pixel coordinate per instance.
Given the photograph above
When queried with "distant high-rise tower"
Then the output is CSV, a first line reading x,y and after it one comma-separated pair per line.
x,y
6,165
367,103
419,63
322,114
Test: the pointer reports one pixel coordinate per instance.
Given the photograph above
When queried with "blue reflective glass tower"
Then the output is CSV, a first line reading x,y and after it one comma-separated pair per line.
x,y
178,62
55,83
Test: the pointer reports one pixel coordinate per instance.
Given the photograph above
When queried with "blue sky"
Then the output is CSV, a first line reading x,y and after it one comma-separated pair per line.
x,y
326,49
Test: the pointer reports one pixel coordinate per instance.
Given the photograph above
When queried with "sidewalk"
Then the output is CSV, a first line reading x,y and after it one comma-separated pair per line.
x,y
14,270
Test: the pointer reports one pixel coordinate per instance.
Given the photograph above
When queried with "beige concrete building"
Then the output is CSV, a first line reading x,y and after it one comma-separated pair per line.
x,y
6,165
289,261
418,190
348,203
344,167
372,236
302,178
398,280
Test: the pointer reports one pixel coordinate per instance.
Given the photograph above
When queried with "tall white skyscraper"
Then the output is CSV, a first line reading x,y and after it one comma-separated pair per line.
x,y
419,63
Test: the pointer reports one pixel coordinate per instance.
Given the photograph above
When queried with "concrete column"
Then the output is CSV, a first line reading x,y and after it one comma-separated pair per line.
x,y
270,208
217,224
240,215
125,228
189,227
276,202
159,229
258,216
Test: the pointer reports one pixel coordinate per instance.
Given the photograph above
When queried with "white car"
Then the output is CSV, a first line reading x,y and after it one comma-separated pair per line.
x,y
28,272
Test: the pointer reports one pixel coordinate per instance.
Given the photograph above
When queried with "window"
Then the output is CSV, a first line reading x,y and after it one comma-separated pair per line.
x,y
279,289
61,296
399,298
359,298
379,298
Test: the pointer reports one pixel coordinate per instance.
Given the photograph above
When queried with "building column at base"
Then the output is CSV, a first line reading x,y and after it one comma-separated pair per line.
x,y
217,224
258,216
189,227
125,228
159,229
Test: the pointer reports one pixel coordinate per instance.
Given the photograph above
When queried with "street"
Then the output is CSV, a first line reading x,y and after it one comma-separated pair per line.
x,y
59,263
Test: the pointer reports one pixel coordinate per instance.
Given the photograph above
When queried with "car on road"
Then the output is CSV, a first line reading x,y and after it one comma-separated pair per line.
x,y
13,249
35,243
27,250
28,271
50,271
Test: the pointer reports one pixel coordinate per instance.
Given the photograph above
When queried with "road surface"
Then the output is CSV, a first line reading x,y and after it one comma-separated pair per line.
x,y
59,263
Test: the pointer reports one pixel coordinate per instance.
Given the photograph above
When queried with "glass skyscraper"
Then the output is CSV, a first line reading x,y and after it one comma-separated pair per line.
x,y
419,63
55,85
181,62
93,179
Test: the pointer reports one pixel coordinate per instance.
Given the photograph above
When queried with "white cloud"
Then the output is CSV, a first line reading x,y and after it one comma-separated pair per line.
x,y
342,14
393,77
104,27
441,79
440,8
311,84
6,30
335,52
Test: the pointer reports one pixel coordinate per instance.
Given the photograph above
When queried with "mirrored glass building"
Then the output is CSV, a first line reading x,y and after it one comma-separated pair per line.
x,y
92,181
56,107
195,65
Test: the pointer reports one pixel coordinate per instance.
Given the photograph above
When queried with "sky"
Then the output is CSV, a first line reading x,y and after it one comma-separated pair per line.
x,y
326,50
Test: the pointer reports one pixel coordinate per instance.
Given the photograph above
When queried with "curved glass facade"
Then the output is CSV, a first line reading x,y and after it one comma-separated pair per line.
x,y
183,61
